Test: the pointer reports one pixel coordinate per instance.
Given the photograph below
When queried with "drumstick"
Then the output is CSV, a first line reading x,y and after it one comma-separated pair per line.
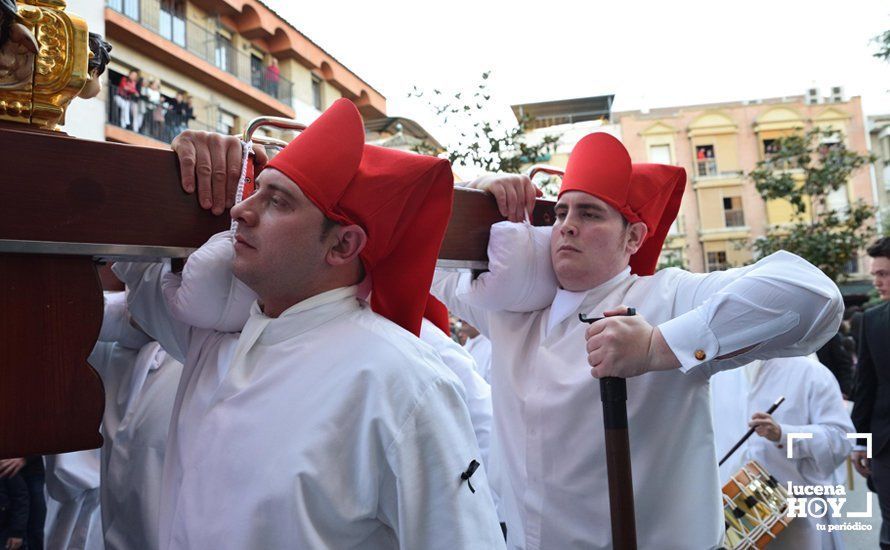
x,y
735,447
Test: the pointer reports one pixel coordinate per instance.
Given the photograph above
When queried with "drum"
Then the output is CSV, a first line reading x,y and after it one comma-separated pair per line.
x,y
755,508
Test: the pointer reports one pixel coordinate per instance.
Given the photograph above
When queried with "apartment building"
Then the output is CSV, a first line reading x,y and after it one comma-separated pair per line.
x,y
718,144
568,119
879,136
213,65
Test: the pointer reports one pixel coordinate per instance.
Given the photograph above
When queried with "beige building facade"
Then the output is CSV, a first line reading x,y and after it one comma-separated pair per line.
x,y
722,212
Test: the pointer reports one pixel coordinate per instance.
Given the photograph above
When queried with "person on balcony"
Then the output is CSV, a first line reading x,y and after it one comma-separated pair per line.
x,y
127,93
273,76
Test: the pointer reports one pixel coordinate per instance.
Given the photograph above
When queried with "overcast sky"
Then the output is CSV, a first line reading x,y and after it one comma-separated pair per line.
x,y
649,54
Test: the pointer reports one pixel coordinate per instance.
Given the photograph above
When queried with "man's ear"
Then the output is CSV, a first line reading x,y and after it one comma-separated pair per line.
x,y
347,242
636,235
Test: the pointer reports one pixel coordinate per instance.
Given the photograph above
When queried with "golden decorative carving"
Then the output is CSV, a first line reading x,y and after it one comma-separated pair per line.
x,y
38,89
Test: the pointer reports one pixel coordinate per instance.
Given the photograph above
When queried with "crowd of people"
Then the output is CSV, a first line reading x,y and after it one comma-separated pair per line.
x,y
298,383
139,105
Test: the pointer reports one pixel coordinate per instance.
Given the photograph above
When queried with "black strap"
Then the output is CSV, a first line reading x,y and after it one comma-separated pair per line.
x,y
466,475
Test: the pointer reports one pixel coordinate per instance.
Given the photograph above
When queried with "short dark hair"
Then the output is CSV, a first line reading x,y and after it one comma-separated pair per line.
x,y
101,54
880,249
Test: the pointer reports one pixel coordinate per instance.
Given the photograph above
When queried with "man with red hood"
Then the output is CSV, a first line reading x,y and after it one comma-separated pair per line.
x,y
547,438
325,422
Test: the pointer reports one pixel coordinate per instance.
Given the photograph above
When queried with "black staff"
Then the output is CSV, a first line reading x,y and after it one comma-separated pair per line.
x,y
613,393
735,447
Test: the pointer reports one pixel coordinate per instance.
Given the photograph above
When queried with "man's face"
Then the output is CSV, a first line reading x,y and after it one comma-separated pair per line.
x,y
279,250
589,243
880,272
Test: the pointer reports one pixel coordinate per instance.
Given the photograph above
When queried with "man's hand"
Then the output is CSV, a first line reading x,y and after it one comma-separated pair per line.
x,y
766,426
514,193
211,163
627,346
861,463
11,466
13,543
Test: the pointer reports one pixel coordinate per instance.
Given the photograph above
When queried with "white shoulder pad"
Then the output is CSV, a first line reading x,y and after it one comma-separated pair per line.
x,y
210,297
520,275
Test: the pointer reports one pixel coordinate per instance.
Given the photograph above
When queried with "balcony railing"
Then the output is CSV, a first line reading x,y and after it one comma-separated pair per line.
x,y
162,121
207,44
706,168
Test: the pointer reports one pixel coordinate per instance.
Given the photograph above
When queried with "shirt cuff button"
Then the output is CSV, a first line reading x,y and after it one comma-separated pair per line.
x,y
700,354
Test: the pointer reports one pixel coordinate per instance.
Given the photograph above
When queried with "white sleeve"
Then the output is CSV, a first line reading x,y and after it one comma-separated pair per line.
x,y
781,306
476,390
148,306
423,497
116,326
445,287
829,423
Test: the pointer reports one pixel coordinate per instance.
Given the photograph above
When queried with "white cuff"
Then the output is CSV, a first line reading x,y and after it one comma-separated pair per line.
x,y
691,339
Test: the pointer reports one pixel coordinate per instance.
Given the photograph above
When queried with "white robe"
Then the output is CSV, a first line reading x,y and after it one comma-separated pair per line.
x,y
480,348
140,382
73,521
548,428
326,427
813,404
477,392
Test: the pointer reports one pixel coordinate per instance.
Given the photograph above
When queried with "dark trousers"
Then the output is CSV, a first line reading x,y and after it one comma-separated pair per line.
x,y
880,476
36,511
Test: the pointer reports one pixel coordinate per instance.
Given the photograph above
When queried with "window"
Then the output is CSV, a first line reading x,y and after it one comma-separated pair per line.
x,y
717,261
771,148
172,21
660,154
130,8
839,201
852,266
225,123
225,56
732,212
705,161
256,70
316,92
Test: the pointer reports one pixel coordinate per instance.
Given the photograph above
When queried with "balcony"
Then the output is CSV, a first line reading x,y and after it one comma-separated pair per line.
x,y
206,44
160,122
706,168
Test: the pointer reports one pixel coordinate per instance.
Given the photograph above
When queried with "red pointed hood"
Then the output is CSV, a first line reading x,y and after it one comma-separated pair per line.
x,y
650,193
401,200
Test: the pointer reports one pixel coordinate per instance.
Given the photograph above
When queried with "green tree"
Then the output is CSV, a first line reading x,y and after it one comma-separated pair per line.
x,y
484,142
804,170
883,42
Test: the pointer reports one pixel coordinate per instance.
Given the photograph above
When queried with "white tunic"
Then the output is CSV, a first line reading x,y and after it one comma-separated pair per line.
x,y
548,425
73,521
326,427
813,404
477,392
140,386
480,348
